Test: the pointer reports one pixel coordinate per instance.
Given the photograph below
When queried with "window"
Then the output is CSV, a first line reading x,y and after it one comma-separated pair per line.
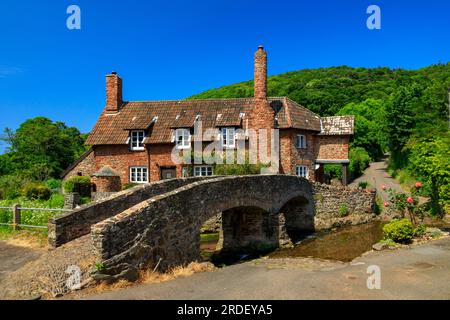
x,y
203,171
138,174
301,171
301,141
137,140
183,138
228,137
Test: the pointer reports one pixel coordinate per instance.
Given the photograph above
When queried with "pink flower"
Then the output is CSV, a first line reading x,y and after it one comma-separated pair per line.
x,y
383,187
418,185
410,200
386,204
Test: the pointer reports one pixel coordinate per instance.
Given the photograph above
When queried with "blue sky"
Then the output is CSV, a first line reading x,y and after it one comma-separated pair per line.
x,y
173,49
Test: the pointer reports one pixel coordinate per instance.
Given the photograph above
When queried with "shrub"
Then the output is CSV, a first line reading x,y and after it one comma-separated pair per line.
x,y
343,210
333,171
36,191
53,184
401,231
420,231
359,161
11,186
78,184
363,184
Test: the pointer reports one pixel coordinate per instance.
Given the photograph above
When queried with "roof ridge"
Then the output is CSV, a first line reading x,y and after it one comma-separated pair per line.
x,y
200,100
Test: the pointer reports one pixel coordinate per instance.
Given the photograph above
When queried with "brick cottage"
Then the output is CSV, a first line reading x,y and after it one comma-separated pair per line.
x,y
134,140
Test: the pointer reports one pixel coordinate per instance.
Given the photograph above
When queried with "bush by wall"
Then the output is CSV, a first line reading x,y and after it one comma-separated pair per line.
x,y
401,231
36,191
79,184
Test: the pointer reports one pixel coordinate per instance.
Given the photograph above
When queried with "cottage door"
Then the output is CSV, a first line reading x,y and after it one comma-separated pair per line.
x,y
168,173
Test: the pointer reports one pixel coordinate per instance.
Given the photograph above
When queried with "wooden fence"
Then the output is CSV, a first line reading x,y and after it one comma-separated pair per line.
x,y
17,216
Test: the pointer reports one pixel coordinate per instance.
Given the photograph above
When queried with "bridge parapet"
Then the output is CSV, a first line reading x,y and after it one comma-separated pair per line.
x,y
77,223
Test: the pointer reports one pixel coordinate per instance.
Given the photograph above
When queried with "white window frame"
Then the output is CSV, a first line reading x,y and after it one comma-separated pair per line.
x,y
137,140
302,171
203,171
301,141
141,172
226,140
185,135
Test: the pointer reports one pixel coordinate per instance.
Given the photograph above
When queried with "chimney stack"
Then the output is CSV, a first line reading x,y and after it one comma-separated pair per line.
x,y
113,93
261,74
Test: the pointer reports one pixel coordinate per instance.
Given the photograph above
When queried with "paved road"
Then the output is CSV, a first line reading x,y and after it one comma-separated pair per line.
x,y
422,272
376,175
13,257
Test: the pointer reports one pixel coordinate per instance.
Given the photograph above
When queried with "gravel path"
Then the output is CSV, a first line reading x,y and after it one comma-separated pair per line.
x,y
28,274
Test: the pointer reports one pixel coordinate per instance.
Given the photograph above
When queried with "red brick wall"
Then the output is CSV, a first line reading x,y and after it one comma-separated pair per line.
x,y
120,159
86,167
160,156
291,156
332,147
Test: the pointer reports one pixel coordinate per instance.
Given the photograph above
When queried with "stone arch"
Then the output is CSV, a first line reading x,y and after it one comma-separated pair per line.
x,y
297,217
165,228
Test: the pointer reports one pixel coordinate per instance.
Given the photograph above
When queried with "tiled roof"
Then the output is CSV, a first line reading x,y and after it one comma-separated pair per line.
x,y
337,125
161,117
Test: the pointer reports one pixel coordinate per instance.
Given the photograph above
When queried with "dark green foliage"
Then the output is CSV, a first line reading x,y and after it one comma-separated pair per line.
x,y
333,171
53,183
36,191
401,231
11,186
363,184
237,169
359,161
75,183
420,231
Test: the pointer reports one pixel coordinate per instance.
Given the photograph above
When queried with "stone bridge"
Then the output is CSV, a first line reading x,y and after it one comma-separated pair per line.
x,y
159,224
163,229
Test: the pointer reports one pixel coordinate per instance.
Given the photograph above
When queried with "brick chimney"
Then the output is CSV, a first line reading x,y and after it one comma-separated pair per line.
x,y
113,93
263,115
261,74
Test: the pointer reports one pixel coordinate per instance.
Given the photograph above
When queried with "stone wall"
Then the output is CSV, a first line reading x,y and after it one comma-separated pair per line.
x,y
330,202
78,222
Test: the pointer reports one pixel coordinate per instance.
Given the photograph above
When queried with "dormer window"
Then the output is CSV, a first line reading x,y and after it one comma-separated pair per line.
x,y
137,140
183,138
301,141
228,137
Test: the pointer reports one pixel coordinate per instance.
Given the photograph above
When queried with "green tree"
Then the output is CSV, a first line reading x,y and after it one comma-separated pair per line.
x,y
41,148
369,129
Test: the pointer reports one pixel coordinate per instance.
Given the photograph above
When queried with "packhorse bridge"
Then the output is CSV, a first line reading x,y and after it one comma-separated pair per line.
x,y
159,224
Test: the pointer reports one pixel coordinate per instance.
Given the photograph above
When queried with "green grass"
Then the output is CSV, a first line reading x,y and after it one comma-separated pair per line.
x,y
32,217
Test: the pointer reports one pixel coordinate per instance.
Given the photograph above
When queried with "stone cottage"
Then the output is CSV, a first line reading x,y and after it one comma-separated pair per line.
x,y
135,139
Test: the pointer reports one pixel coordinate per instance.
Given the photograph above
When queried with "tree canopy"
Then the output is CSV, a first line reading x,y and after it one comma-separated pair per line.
x,y
41,149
